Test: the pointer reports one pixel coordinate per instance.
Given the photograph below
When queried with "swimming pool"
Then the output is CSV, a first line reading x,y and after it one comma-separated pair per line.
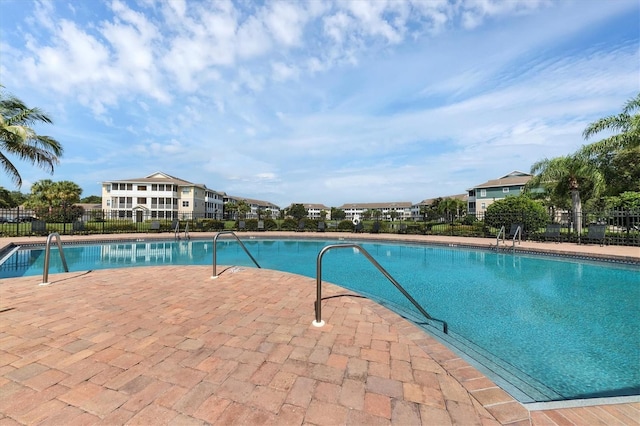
x,y
542,328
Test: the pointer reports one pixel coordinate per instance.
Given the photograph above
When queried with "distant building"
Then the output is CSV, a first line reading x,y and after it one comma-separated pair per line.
x,y
314,210
401,210
416,209
256,206
483,195
160,196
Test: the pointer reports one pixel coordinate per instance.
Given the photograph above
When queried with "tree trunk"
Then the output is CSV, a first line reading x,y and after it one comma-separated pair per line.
x,y
577,211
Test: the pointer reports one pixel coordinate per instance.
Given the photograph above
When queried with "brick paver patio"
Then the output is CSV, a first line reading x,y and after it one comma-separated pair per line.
x,y
169,345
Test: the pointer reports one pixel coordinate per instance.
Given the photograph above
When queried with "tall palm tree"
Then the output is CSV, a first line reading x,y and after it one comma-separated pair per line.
x,y
19,139
572,175
626,128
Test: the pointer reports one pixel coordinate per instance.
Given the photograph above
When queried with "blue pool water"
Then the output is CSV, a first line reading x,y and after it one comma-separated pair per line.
x,y
544,328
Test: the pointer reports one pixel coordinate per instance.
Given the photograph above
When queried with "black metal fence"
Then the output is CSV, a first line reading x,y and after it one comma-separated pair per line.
x,y
619,227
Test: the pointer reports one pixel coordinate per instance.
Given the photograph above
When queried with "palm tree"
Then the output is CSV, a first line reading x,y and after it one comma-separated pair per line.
x,y
626,128
19,139
572,174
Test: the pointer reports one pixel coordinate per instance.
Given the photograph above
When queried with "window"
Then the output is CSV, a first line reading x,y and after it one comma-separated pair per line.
x,y
185,190
108,203
483,192
154,187
142,200
483,206
108,188
129,187
185,204
505,190
142,187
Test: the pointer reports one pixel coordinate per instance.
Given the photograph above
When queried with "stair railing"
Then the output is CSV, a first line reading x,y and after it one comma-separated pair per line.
x,y
318,322
47,255
215,260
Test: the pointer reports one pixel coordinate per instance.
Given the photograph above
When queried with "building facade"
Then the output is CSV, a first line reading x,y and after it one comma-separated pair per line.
x,y
160,196
385,211
483,195
417,209
256,208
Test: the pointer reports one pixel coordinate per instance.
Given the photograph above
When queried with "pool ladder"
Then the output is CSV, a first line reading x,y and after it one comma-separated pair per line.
x,y
215,260
176,231
318,322
503,232
47,255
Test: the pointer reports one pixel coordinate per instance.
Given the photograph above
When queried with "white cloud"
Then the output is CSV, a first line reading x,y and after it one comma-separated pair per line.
x,y
321,101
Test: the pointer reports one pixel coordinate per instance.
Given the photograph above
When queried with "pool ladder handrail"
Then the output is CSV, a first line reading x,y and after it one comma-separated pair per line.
x,y
518,234
215,260
502,232
318,322
47,255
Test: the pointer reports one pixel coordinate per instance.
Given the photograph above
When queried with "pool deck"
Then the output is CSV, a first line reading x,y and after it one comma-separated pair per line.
x,y
169,345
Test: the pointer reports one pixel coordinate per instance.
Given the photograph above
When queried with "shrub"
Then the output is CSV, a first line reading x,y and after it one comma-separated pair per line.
x,y
469,219
289,225
521,209
345,225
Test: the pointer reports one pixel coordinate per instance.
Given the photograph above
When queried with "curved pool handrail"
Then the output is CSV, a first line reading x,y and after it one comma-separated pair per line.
x,y
517,234
318,306
502,232
215,240
47,255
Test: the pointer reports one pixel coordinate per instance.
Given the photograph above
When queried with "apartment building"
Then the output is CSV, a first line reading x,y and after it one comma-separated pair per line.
x,y
314,211
416,209
160,196
257,207
483,195
399,210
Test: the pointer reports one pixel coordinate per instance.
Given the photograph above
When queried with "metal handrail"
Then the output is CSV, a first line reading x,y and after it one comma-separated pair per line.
x,y
318,322
186,232
518,234
47,255
501,232
215,239
176,231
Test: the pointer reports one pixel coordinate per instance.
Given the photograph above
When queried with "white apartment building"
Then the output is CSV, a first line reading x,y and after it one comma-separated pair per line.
x,y
402,210
314,211
417,208
160,196
255,206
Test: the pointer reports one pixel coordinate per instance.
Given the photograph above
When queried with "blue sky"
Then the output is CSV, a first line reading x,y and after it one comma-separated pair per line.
x,y
318,101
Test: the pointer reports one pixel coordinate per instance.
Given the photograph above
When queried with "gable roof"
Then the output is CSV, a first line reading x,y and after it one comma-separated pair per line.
x,y
515,178
428,201
399,204
158,177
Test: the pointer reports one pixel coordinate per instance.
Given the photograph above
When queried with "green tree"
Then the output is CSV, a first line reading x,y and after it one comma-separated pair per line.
x,y
451,208
92,199
9,199
337,214
5,198
624,126
230,210
19,139
53,201
297,211
571,175
243,209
